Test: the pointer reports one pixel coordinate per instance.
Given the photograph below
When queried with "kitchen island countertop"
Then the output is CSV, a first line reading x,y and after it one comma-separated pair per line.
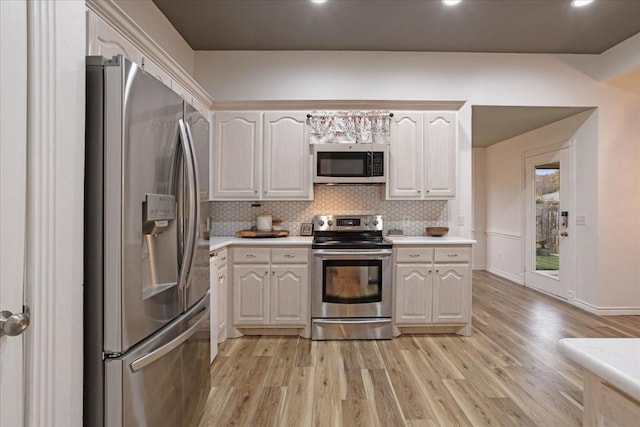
x,y
616,360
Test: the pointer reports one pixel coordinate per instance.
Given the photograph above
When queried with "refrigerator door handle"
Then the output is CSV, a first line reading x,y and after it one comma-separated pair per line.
x,y
195,193
190,244
149,358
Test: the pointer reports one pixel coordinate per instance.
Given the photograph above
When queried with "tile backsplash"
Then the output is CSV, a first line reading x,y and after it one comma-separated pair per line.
x,y
411,216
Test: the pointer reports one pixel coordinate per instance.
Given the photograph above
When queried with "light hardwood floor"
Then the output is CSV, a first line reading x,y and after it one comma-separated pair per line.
x,y
508,373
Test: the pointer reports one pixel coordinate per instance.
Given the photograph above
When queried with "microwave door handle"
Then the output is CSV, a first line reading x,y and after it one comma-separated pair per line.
x,y
190,243
369,163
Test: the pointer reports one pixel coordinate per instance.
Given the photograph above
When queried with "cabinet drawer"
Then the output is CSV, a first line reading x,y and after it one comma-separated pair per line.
x,y
289,255
453,254
414,255
250,255
222,257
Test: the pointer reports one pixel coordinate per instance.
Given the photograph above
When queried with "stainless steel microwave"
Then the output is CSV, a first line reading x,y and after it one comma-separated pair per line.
x,y
350,163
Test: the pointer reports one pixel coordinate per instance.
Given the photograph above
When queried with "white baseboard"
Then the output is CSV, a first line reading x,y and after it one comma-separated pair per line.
x,y
606,311
517,279
479,267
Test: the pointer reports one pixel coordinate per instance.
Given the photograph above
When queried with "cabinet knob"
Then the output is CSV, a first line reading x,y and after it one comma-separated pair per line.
x,y
429,271
273,272
266,273
437,271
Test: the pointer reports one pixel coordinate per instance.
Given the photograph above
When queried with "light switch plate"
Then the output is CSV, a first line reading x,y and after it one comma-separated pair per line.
x,y
581,220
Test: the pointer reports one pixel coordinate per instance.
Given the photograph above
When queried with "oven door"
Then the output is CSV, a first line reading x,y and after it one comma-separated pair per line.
x,y
351,283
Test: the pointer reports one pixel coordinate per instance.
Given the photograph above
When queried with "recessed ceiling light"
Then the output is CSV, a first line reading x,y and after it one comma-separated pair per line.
x,y
451,2
318,1
580,3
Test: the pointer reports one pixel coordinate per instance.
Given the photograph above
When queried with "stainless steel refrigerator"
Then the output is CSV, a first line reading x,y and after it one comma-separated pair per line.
x,y
146,329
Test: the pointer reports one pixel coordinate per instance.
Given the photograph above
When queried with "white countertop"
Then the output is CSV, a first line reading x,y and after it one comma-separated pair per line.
x,y
222,241
616,360
428,240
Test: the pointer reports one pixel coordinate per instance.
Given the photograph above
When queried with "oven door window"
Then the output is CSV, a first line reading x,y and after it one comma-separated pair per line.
x,y
352,281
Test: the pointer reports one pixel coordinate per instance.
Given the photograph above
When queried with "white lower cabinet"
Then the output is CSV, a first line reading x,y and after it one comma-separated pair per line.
x,y
223,299
270,287
428,291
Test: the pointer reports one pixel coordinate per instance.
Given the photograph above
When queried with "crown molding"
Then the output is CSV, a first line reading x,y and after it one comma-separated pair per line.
x,y
337,104
113,15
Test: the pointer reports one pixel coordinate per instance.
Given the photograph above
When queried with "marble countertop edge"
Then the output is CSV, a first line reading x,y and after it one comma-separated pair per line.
x,y
616,360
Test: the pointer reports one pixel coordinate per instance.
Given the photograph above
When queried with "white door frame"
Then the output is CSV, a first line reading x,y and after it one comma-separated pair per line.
x,y
55,182
564,286
13,180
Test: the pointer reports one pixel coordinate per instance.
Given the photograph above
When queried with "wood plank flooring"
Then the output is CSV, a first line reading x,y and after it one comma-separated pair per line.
x,y
508,373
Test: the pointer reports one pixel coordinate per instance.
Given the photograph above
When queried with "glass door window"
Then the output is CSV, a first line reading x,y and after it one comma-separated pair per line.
x,y
547,206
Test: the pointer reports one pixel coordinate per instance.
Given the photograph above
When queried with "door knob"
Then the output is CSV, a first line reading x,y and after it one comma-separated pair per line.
x,y
13,324
564,234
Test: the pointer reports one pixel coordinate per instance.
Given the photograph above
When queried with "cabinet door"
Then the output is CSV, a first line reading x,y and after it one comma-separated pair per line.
x,y
223,302
405,157
286,156
237,155
251,294
289,294
413,294
451,296
440,154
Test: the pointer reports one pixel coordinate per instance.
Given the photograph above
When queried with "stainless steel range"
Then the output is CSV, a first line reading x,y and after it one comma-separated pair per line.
x,y
351,285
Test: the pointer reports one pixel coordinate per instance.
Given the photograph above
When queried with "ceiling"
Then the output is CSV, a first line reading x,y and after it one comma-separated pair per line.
x,y
501,26
514,26
492,124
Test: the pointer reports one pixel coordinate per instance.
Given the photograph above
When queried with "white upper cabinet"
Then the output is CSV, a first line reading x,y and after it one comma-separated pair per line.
x,y
261,156
423,155
405,156
440,154
287,157
237,154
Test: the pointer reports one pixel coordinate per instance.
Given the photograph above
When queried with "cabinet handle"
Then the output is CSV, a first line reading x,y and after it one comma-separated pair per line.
x,y
223,259
419,191
256,191
414,255
220,277
289,256
250,256
452,255
428,191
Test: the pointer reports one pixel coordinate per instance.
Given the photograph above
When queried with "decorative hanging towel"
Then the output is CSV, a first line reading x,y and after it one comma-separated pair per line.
x,y
349,127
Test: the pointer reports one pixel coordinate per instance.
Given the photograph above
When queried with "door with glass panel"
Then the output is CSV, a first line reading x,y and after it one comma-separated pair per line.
x,y
549,253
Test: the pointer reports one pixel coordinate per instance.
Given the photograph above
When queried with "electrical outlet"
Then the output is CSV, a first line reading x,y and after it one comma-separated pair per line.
x,y
405,221
571,295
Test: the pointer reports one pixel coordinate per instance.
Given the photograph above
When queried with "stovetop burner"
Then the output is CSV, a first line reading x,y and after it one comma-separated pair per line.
x,y
348,232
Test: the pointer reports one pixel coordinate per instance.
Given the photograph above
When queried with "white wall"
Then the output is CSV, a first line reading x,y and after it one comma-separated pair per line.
x,y
155,24
479,203
482,79
505,183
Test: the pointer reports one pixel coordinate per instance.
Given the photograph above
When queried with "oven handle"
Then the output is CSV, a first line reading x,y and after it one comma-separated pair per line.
x,y
356,252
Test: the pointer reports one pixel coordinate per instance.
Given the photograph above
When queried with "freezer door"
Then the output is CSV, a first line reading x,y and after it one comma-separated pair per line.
x,y
141,292
164,381
198,129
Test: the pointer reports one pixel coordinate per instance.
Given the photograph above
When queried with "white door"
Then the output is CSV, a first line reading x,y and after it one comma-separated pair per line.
x,y
549,249
13,172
